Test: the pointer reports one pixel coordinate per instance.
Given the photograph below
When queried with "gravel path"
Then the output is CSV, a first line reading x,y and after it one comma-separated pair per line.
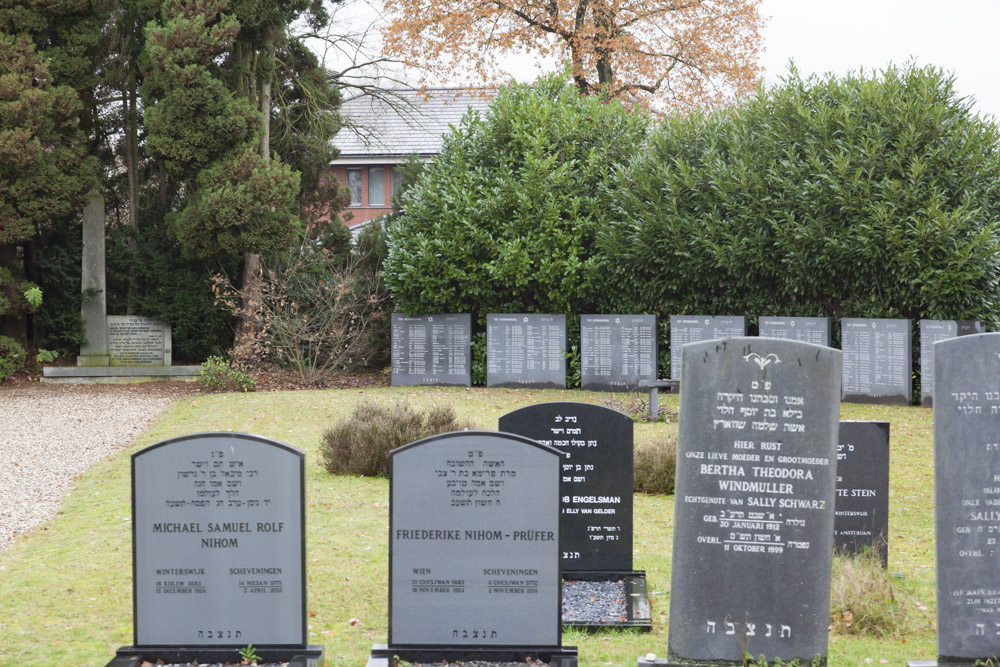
x,y
49,434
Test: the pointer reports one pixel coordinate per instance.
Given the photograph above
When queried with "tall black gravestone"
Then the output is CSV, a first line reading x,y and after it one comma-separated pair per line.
x,y
526,350
218,541
474,551
862,508
814,330
754,503
877,361
686,329
595,526
431,350
967,498
616,351
933,331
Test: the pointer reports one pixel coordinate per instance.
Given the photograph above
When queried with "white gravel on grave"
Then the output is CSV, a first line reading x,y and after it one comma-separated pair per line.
x,y
49,435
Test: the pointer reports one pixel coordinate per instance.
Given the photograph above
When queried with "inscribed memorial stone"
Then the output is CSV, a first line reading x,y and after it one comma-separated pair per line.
x,y
862,508
754,503
616,351
431,350
138,341
686,329
932,331
526,350
814,330
877,361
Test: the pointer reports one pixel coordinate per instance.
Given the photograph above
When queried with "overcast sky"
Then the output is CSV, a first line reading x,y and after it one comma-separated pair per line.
x,y
960,36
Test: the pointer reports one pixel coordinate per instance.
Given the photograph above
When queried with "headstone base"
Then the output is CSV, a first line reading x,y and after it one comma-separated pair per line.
x,y
133,656
91,360
682,662
966,662
118,374
561,656
637,611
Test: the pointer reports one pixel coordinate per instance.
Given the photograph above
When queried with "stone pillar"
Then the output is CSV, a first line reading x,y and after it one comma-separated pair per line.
x,y
93,311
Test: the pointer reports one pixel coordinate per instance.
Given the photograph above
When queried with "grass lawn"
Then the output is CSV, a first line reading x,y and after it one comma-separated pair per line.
x,y
66,589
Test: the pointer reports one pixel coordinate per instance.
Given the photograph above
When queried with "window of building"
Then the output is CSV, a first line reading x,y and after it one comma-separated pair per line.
x,y
397,179
376,186
354,185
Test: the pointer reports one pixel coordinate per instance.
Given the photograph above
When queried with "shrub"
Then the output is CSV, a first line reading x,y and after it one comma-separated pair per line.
x,y
217,373
360,444
12,357
865,601
656,465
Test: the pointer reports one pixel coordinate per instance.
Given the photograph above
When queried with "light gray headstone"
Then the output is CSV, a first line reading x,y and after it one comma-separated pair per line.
x,y
967,496
814,330
94,350
526,350
878,361
218,542
431,350
686,329
932,331
616,351
138,341
754,502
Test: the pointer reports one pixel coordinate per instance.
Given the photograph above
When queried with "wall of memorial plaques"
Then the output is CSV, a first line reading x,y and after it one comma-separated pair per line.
x,y
877,361
686,329
815,330
933,331
431,350
526,350
616,351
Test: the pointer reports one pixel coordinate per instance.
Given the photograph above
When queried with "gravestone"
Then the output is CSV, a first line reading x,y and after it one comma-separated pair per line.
x,y
967,498
877,361
616,351
526,350
686,329
595,524
862,507
431,350
932,331
218,541
138,341
814,330
754,502
474,551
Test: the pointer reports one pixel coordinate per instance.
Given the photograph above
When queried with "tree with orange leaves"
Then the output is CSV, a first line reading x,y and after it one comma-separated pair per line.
x,y
657,53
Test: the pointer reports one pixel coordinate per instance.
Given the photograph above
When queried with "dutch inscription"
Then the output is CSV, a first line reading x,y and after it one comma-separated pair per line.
x,y
616,351
431,350
877,360
815,330
526,350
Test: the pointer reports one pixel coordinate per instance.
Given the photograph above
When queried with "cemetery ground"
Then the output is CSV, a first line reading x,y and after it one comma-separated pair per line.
x,y
66,588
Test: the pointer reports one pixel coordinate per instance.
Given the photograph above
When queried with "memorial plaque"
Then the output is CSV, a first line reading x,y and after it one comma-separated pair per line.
x,y
932,331
754,502
862,508
138,341
616,351
686,329
474,542
967,496
218,542
431,350
814,330
526,350
595,527
877,361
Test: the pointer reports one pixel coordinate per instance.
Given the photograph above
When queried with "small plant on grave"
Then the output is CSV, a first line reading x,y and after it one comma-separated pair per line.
x,y
248,655
655,465
219,374
865,601
360,444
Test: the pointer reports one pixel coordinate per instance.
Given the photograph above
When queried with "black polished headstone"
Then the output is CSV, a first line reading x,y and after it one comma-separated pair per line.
x,y
933,331
877,361
595,528
526,350
218,542
862,508
754,502
686,329
431,350
814,330
967,496
616,351
474,542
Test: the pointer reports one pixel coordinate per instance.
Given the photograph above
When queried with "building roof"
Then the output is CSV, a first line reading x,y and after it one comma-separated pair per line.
x,y
403,122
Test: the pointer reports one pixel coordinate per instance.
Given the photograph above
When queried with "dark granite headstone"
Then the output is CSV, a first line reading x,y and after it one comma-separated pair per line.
x,y
686,329
526,350
967,496
877,361
862,508
754,502
595,528
431,350
932,331
616,351
814,330
218,539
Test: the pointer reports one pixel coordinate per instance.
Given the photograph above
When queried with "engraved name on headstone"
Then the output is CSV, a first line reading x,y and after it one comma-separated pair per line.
x,y
967,496
474,542
932,331
754,502
814,330
616,351
218,542
138,341
686,329
877,361
862,508
526,350
431,350
596,521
